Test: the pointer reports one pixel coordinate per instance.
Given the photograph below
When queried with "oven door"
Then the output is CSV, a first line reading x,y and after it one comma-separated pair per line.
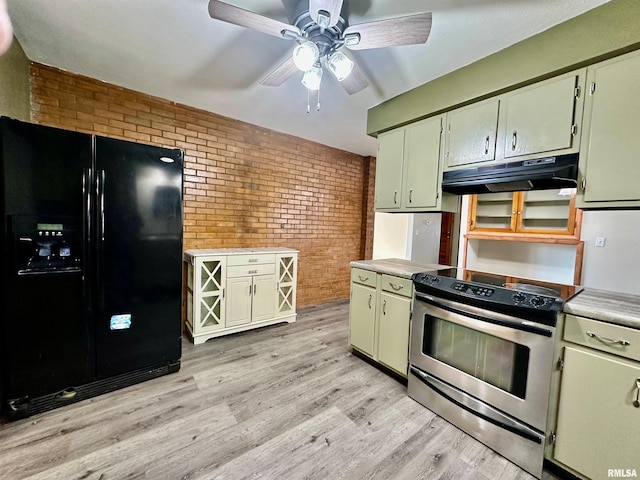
x,y
503,361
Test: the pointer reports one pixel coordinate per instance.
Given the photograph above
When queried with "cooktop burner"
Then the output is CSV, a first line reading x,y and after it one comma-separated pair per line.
x,y
507,294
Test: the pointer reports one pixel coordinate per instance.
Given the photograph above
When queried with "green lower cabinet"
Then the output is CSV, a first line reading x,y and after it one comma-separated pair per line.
x,y
379,318
362,318
598,427
393,339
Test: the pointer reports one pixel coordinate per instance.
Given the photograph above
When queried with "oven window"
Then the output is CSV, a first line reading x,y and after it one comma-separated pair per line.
x,y
501,363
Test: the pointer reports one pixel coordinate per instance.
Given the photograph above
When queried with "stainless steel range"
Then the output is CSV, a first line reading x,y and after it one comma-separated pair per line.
x,y
481,356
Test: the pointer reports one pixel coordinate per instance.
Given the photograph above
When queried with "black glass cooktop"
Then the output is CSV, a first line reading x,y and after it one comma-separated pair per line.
x,y
523,297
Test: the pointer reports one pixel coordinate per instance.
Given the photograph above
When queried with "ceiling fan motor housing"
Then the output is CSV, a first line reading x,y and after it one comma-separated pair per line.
x,y
324,38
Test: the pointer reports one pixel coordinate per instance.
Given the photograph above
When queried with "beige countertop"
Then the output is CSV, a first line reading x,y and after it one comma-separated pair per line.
x,y
187,255
396,266
607,306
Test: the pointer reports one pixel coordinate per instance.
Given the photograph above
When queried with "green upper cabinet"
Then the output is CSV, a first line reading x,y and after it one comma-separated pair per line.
x,y
389,169
610,149
471,134
408,173
543,118
421,164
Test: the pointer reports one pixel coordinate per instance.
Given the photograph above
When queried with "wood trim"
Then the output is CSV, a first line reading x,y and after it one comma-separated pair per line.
x,y
577,269
524,237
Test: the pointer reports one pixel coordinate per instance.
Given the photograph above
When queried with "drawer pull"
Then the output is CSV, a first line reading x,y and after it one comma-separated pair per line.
x,y
253,271
396,287
253,260
363,279
624,343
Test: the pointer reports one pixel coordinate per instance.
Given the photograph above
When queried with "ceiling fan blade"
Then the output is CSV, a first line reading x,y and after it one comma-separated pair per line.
x,y
245,18
281,73
355,82
332,7
391,32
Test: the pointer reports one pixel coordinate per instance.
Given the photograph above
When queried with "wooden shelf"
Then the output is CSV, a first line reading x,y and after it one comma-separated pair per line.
x,y
524,237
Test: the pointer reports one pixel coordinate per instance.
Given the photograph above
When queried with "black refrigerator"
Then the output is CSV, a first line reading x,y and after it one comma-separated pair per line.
x,y
92,265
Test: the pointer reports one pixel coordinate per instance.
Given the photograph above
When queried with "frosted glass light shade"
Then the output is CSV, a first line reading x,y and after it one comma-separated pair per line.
x,y
340,65
305,55
312,77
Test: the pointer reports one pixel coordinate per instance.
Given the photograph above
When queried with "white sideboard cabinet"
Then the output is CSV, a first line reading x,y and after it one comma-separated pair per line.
x,y
232,290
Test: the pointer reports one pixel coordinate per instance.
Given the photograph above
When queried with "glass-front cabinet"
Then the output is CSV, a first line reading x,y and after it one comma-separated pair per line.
x,y
550,212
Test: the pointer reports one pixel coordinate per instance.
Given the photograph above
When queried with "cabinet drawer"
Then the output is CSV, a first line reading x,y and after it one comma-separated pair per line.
x,y
256,259
365,277
400,286
603,336
249,270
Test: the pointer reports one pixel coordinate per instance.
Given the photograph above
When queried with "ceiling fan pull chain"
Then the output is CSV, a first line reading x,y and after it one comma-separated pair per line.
x,y
308,101
318,106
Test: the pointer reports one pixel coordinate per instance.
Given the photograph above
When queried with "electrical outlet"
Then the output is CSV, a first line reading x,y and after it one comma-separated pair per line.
x,y
600,241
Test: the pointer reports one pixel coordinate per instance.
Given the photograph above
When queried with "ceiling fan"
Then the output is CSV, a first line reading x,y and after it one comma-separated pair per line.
x,y
321,30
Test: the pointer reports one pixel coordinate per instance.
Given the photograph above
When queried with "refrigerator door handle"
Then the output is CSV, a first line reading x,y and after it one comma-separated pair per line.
x,y
100,185
87,234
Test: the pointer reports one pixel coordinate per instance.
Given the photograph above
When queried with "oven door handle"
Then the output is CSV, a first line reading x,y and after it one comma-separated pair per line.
x,y
484,316
476,407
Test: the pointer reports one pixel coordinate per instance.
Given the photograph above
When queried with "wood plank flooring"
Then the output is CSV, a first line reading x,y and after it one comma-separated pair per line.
x,y
285,402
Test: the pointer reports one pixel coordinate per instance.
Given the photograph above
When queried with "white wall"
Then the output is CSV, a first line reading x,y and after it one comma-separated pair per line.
x,y
616,266
410,236
541,261
391,235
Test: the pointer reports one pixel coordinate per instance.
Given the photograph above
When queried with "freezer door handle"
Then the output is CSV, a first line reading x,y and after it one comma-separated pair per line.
x,y
87,227
100,185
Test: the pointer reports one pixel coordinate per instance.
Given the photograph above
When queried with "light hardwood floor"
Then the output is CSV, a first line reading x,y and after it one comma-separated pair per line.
x,y
285,402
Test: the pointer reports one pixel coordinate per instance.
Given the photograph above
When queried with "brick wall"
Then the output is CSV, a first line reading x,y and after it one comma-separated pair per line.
x,y
244,186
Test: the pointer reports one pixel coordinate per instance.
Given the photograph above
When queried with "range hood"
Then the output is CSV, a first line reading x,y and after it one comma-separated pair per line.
x,y
537,174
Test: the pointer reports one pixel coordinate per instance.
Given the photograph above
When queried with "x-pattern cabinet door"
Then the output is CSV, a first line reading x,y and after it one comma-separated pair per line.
x,y
286,271
209,294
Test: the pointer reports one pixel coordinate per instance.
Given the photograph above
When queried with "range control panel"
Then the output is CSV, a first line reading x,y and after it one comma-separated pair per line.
x,y
485,293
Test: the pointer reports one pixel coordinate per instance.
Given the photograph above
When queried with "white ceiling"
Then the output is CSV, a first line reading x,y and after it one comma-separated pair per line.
x,y
173,49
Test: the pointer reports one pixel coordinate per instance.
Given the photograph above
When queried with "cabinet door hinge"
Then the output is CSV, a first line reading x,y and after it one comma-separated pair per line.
x,y
560,364
551,438
592,88
583,184
223,293
574,129
577,91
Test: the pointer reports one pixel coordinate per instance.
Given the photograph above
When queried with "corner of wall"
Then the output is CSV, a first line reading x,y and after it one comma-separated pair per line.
x,y
15,99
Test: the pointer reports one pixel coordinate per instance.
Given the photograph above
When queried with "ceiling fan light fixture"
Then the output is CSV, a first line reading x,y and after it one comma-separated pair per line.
x,y
340,65
312,77
324,18
351,39
306,55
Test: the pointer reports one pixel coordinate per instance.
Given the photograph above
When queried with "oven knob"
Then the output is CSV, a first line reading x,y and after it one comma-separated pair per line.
x,y
435,280
519,297
537,301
